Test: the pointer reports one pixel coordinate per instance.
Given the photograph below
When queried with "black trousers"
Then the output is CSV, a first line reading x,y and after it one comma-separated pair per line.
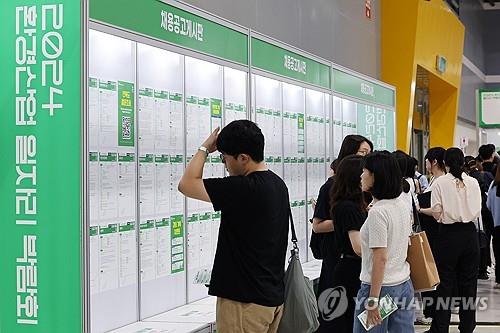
x,y
346,275
457,261
496,252
485,257
325,282
485,253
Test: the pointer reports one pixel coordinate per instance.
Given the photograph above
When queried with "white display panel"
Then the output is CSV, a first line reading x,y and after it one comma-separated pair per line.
x,y
294,159
144,125
317,115
268,116
235,95
161,163
162,327
204,94
327,102
337,125
112,182
349,117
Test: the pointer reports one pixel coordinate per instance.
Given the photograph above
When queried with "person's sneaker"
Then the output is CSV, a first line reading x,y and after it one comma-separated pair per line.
x,y
421,320
483,276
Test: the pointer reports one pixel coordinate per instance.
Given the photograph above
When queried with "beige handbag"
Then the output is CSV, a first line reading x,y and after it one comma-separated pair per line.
x,y
424,274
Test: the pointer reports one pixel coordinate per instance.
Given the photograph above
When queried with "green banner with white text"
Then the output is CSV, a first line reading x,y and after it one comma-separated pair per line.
x,y
354,86
280,61
40,166
157,19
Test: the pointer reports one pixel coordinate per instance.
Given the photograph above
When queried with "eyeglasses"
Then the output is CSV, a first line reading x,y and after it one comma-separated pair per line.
x,y
362,152
223,158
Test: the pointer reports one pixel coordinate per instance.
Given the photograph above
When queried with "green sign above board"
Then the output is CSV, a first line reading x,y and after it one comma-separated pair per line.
x,y
489,107
286,63
159,20
353,86
41,166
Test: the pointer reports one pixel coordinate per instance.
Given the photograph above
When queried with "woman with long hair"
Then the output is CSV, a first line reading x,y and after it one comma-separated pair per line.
x,y
407,168
434,163
384,245
323,243
348,213
456,204
355,144
493,204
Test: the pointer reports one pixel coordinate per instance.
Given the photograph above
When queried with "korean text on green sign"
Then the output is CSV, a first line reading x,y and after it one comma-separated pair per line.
x,y
40,164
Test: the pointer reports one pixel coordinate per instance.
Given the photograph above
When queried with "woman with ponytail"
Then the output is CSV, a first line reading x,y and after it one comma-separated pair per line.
x,y
456,204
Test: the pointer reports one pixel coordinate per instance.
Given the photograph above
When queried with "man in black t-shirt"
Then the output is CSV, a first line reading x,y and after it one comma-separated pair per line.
x,y
487,155
247,276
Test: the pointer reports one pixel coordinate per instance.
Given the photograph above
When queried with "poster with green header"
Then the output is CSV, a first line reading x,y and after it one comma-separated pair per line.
x,y
41,166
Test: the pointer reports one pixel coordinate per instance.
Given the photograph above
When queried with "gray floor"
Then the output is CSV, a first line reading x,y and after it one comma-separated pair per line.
x,y
492,314
488,319
454,329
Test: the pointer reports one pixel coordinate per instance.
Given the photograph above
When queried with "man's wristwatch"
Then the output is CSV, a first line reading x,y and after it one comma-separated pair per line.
x,y
204,149
371,303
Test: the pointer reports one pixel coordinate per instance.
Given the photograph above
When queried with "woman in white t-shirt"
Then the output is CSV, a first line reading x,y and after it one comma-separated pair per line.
x,y
384,244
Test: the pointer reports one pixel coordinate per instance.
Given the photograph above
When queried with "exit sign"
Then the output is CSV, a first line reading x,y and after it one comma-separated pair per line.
x,y
440,64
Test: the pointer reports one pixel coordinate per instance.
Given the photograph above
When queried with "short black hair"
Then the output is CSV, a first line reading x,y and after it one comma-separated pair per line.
x,y
406,163
436,154
242,137
388,180
350,145
471,164
486,151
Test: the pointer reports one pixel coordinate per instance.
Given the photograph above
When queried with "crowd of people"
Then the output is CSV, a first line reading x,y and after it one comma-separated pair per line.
x,y
363,218
371,217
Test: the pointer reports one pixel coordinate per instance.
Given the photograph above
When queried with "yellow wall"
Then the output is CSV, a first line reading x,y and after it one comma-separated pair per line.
x,y
414,32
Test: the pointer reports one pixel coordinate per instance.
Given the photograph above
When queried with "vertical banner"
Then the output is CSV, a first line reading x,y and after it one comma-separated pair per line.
x,y
377,125
40,166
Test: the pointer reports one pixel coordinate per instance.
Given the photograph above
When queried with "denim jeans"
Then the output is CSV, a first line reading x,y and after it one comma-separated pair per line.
x,y
401,321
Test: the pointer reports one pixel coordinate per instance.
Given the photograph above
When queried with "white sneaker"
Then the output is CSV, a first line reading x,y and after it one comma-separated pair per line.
x,y
421,320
